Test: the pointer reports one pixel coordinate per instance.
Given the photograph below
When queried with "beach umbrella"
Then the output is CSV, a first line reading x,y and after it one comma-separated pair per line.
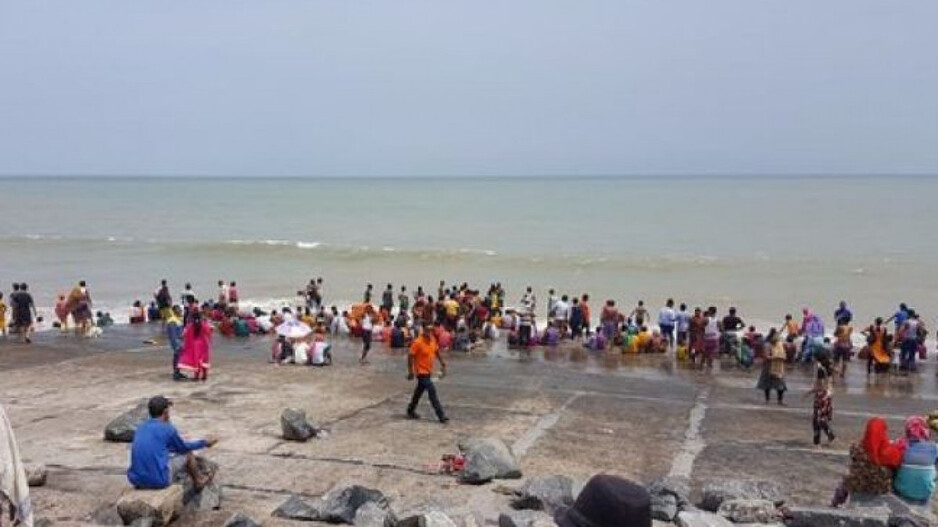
x,y
293,329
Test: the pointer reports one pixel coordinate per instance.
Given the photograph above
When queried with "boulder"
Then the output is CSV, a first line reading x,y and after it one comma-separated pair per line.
x,y
548,494
295,426
122,428
296,508
341,504
676,486
35,474
901,512
827,517
241,520
716,492
432,518
207,499
162,506
487,459
142,522
701,519
664,507
106,515
749,511
373,515
526,518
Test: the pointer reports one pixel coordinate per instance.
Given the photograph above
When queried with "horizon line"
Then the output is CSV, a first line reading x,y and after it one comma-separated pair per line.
x,y
738,175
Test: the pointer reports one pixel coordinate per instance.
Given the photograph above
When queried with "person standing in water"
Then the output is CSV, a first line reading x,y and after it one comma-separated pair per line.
x,y
24,312
174,330
773,368
667,319
367,326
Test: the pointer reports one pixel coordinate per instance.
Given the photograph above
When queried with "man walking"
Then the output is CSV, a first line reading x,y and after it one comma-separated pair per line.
x,y
423,351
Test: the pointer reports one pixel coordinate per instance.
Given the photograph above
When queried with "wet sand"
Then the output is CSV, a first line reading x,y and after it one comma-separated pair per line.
x,y
564,411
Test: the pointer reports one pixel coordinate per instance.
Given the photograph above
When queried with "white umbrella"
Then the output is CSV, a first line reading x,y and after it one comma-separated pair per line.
x,y
293,329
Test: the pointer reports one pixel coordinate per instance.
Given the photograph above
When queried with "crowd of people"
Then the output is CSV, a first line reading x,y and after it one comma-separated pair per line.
x,y
462,318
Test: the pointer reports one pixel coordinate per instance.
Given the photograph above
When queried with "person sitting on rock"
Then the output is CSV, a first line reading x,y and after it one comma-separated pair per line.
x,y
159,455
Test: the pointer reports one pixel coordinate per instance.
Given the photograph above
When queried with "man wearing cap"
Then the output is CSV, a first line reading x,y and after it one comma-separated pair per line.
x,y
158,453
608,501
423,351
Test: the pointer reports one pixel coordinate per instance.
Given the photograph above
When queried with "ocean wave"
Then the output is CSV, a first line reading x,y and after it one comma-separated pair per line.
x,y
339,253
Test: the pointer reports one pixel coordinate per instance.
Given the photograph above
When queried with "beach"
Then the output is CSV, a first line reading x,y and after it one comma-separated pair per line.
x,y
563,410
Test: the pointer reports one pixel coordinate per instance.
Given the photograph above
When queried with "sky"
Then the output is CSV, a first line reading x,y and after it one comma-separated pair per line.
x,y
431,88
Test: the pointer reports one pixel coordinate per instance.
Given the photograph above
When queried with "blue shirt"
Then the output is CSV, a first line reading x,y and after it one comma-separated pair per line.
x,y
154,440
843,316
174,334
900,317
915,479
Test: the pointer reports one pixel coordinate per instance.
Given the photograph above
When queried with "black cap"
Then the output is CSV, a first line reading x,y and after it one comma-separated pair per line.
x,y
158,405
608,501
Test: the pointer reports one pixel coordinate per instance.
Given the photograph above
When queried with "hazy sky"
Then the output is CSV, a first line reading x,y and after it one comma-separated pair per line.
x,y
346,87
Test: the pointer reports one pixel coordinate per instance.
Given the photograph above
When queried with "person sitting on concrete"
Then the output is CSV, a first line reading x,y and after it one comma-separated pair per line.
x,y
158,454
608,500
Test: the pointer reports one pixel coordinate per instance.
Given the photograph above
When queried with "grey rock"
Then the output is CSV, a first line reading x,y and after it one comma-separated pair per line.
x,y
432,518
35,474
207,499
901,513
760,525
827,517
664,507
487,459
716,492
676,486
373,515
241,520
548,493
295,426
123,427
142,522
296,508
44,522
749,511
701,519
162,506
341,504
106,515
525,518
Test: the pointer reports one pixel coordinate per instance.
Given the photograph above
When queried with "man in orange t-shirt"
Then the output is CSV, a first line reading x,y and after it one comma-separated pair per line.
x,y
423,351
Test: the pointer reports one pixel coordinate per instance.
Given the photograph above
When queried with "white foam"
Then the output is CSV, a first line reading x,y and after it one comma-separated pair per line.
x,y
307,245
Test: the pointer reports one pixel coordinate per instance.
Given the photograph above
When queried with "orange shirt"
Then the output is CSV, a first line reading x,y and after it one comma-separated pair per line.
x,y
424,353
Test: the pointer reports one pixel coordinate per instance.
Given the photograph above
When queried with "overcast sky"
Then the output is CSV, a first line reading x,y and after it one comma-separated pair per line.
x,y
517,87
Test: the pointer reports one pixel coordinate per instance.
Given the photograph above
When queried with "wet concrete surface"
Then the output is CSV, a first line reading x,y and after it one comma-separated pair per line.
x,y
565,411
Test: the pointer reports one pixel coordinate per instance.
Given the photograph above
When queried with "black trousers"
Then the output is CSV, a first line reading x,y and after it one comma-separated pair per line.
x,y
425,384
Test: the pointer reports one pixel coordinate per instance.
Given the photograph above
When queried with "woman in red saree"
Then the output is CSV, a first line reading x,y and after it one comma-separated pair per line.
x,y
197,347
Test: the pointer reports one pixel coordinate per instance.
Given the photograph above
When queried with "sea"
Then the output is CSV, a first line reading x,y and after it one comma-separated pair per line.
x,y
769,245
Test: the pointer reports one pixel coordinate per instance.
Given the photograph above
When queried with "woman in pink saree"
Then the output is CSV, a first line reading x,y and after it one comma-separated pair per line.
x,y
197,347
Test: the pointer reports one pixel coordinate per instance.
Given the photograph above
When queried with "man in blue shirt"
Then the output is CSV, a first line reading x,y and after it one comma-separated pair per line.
x,y
843,316
151,463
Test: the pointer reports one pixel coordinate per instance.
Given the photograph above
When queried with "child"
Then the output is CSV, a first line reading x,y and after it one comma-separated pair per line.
x,y
823,405
3,317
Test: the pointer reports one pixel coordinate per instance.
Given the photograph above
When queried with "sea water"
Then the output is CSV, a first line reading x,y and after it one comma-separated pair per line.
x,y
769,245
